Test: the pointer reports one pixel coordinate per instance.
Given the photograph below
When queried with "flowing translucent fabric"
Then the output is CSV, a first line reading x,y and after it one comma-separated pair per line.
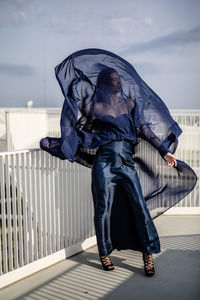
x,y
106,100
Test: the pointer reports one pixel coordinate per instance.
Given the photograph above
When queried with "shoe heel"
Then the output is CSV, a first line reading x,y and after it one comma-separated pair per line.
x,y
149,269
106,263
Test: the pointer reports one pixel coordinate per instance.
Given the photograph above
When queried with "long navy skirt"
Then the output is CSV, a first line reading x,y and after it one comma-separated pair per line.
x,y
121,216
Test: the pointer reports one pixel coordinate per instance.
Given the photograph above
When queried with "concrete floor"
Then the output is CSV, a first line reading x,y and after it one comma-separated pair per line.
x,y
82,277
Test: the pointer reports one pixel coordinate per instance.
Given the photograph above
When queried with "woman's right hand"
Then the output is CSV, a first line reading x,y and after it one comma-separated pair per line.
x,y
171,160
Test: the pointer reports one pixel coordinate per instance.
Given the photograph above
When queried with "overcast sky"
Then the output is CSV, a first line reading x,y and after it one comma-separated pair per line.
x,y
160,38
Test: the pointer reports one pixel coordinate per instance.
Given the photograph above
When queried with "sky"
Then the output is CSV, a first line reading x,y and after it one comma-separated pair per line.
x,y
160,38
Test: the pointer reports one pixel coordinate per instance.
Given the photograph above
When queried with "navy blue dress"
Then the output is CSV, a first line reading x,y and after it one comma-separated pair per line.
x,y
121,217
109,114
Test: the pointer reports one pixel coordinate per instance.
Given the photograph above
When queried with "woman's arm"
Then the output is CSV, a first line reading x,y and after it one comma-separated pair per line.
x,y
89,123
146,133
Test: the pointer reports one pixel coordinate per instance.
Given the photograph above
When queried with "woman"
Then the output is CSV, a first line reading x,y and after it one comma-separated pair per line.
x,y
116,108
113,169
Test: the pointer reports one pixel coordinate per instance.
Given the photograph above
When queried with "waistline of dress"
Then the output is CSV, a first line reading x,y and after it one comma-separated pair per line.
x,y
123,144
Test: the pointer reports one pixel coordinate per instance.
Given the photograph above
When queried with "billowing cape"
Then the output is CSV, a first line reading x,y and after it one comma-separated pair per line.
x,y
162,186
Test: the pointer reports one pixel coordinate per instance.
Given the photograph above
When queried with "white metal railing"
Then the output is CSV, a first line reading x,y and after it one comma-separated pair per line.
x,y
189,148
45,207
46,204
190,117
189,152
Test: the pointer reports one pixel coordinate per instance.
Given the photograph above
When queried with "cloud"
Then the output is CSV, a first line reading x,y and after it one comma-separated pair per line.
x,y
13,12
120,24
22,13
178,38
21,3
148,21
16,70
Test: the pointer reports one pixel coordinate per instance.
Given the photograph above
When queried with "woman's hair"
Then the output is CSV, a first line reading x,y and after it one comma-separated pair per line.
x,y
104,79
104,89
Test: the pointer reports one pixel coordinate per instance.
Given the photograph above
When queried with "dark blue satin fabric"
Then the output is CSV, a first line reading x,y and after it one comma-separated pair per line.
x,y
121,217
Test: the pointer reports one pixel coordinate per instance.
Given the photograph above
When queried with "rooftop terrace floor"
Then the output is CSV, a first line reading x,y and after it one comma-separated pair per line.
x,y
81,276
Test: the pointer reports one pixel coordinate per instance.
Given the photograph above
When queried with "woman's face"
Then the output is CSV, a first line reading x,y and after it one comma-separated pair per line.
x,y
115,82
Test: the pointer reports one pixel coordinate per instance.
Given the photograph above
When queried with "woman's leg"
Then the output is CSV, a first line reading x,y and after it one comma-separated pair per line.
x,y
146,229
102,191
147,233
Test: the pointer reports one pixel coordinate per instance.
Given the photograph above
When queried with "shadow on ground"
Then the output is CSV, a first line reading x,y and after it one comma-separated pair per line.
x,y
177,275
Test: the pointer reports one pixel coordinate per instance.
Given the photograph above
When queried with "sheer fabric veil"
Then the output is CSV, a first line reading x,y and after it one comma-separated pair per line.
x,y
98,84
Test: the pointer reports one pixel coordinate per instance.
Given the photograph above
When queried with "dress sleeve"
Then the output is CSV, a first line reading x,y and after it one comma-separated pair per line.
x,y
144,131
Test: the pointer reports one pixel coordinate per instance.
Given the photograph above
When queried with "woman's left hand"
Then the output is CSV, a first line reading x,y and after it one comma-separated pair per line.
x,y
171,160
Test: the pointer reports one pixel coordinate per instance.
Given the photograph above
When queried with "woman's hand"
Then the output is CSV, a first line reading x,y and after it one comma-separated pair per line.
x,y
171,160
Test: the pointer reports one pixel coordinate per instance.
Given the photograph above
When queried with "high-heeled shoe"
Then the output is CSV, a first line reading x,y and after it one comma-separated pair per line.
x,y
148,264
106,263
